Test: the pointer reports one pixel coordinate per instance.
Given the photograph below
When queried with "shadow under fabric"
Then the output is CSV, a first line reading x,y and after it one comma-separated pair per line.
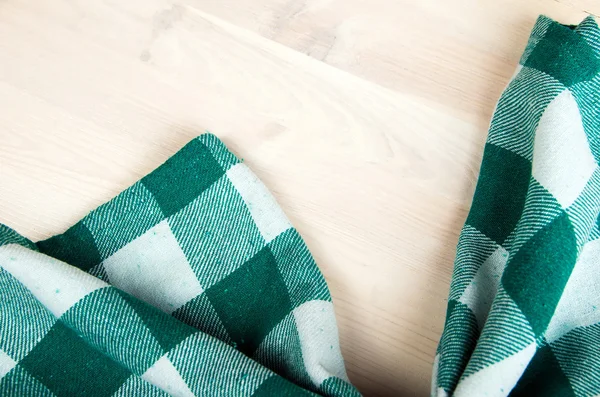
x,y
192,282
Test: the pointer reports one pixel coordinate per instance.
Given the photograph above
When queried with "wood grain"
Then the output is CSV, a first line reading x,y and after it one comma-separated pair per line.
x,y
366,119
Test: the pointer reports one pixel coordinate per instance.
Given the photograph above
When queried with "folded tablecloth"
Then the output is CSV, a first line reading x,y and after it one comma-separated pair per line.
x,y
190,282
524,306
193,281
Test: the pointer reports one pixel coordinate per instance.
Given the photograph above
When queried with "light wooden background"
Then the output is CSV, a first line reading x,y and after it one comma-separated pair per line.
x,y
366,118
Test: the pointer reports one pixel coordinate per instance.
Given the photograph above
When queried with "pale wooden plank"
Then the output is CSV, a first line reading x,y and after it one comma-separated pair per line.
x,y
456,53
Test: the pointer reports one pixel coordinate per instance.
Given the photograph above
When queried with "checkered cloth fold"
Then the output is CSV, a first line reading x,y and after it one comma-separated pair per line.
x,y
192,282
524,307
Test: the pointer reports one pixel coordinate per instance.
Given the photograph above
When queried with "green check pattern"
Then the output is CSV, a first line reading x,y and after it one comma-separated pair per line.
x,y
523,313
192,282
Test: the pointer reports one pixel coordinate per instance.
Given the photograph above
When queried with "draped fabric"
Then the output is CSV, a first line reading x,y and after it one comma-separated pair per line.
x,y
193,282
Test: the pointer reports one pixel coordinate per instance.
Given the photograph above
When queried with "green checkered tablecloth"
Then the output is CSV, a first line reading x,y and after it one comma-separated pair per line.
x,y
192,282
524,307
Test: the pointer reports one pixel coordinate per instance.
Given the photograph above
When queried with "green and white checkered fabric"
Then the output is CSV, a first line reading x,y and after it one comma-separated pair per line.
x,y
524,307
192,282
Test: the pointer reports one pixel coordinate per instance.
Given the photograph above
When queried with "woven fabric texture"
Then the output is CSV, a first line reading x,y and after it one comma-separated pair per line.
x,y
192,282
524,307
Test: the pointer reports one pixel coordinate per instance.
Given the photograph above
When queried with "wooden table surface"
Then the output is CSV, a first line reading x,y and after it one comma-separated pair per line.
x,y
366,119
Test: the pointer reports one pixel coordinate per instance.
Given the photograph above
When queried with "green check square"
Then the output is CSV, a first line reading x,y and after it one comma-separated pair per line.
x,y
500,194
251,301
537,274
76,247
565,55
68,366
543,377
183,177
222,155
